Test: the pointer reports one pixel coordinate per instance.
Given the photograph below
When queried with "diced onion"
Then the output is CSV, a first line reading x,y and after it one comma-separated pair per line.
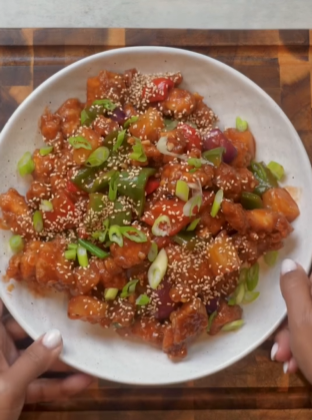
x,y
152,254
276,169
16,243
158,269
157,230
38,221
46,205
216,203
142,300
193,203
97,157
182,190
233,326
110,293
26,164
82,256
241,125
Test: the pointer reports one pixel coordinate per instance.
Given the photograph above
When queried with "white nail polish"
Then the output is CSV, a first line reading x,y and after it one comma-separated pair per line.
x,y
274,351
288,266
52,339
285,367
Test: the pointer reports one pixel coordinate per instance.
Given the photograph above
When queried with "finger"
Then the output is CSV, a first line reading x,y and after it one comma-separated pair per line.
x,y
15,330
290,366
57,366
281,348
45,390
1,307
34,361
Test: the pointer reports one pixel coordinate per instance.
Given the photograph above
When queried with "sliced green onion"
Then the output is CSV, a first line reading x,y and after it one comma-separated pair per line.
x,y
97,157
239,294
101,235
182,190
138,152
70,254
26,164
214,155
120,139
46,151
170,124
250,297
192,171
16,243
158,269
79,142
46,205
243,275
38,221
276,169
128,289
112,193
161,231
82,256
210,320
93,249
216,203
194,162
270,258
193,225
241,125
191,208
233,326
83,117
152,254
110,293
142,300
251,201
115,235
106,103
133,234
131,120
72,246
252,277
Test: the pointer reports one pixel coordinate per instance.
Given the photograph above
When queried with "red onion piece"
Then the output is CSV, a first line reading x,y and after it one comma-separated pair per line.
x,y
166,305
215,138
213,305
118,116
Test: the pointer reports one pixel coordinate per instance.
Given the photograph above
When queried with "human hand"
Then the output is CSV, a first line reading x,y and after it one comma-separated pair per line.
x,y
19,370
293,344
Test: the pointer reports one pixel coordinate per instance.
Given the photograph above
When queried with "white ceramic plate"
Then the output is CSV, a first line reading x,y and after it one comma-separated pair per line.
x,y
230,94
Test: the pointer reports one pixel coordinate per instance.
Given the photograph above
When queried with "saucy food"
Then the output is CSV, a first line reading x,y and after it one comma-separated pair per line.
x,y
147,215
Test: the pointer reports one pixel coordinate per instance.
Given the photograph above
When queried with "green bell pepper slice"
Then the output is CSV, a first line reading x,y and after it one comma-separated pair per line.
x,y
251,201
264,176
121,215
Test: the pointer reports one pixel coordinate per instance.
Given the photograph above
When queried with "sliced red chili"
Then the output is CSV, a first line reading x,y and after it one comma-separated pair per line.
x,y
152,185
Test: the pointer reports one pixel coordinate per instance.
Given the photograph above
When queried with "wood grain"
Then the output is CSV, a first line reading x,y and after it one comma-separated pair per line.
x,y
280,62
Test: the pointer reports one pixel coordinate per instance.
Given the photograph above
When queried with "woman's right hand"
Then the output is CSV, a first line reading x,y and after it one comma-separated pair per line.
x,y
293,344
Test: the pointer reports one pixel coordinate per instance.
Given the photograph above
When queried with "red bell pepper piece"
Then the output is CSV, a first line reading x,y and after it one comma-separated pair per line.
x,y
152,185
163,85
63,215
193,139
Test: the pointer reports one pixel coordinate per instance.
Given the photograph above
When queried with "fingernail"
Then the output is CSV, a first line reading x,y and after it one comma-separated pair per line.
x,y
288,266
52,339
285,367
274,351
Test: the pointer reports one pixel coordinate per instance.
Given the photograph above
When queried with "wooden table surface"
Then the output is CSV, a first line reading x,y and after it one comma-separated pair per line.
x,y
280,62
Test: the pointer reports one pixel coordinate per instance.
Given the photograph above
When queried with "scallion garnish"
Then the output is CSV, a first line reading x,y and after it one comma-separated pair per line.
x,y
193,225
26,164
142,300
191,208
112,193
128,289
16,243
210,320
72,246
46,205
38,221
70,254
152,254
158,269
115,235
82,256
79,142
99,156
83,117
276,169
133,234
270,258
130,121
252,277
233,326
110,293
216,203
138,153
241,125
170,124
182,190
120,139
46,151
214,155
250,297
105,103
194,162
161,226
93,249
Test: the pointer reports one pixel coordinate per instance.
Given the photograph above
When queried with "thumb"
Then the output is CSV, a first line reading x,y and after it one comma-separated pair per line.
x,y
34,361
296,290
